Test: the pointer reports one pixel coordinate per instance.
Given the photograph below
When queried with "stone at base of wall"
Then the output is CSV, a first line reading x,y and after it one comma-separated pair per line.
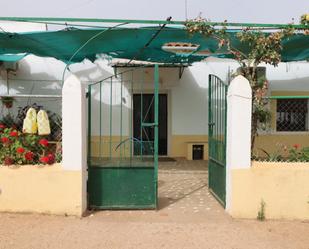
x,y
41,189
284,187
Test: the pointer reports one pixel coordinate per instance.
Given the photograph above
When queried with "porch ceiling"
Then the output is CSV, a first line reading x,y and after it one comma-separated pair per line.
x,y
73,45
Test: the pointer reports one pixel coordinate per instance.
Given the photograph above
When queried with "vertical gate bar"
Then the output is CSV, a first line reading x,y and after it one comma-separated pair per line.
x,y
209,128
225,133
216,119
220,111
222,120
215,116
156,130
110,119
131,120
121,96
100,116
213,98
219,119
217,148
225,122
142,118
209,116
89,125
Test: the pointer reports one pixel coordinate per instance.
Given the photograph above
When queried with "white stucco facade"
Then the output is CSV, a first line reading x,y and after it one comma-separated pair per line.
x,y
187,96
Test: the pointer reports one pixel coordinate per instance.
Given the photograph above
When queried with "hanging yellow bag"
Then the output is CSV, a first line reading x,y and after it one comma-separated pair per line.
x,y
43,123
29,124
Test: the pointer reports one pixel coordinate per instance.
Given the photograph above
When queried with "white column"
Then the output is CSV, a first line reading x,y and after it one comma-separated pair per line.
x,y
74,137
239,111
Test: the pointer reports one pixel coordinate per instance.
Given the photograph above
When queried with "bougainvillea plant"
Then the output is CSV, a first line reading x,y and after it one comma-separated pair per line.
x,y
18,148
304,19
261,47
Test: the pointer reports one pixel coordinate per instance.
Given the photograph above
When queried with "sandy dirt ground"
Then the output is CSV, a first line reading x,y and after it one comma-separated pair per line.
x,y
188,217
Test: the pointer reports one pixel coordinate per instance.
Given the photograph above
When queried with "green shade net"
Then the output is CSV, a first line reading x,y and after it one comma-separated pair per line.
x,y
11,57
129,43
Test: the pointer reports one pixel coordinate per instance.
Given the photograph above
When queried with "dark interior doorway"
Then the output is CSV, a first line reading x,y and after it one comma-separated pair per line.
x,y
147,116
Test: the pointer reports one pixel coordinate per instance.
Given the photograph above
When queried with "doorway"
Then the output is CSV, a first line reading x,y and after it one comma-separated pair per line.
x,y
143,111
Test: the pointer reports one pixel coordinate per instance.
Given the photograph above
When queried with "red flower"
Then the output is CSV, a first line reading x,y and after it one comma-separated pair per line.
x,y
44,159
14,134
51,158
43,142
29,156
2,126
20,150
296,146
5,140
8,161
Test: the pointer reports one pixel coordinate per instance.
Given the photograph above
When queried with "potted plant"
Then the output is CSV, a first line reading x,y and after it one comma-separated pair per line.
x,y
7,101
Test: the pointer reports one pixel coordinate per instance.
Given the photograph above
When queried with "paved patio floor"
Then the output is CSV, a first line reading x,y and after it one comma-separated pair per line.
x,y
183,191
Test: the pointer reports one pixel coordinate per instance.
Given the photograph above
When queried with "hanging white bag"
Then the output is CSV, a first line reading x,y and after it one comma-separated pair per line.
x,y
29,124
43,123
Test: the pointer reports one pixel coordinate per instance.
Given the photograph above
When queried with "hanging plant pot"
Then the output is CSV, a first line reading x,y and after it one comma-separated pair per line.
x,y
7,102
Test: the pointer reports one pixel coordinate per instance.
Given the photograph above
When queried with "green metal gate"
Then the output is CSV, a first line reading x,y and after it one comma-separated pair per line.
x,y
217,97
122,169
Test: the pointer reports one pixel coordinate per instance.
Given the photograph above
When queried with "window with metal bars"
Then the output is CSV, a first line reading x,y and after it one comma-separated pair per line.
x,y
292,115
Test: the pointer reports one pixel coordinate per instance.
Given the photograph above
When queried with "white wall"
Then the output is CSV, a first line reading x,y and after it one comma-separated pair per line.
x,y
187,96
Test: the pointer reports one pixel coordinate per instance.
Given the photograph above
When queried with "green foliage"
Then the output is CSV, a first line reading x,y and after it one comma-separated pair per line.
x,y
261,212
272,157
298,154
262,47
284,153
304,19
19,148
58,155
201,25
8,119
9,145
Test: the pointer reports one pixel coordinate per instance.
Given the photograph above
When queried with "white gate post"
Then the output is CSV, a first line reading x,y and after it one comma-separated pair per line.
x,y
74,137
239,111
